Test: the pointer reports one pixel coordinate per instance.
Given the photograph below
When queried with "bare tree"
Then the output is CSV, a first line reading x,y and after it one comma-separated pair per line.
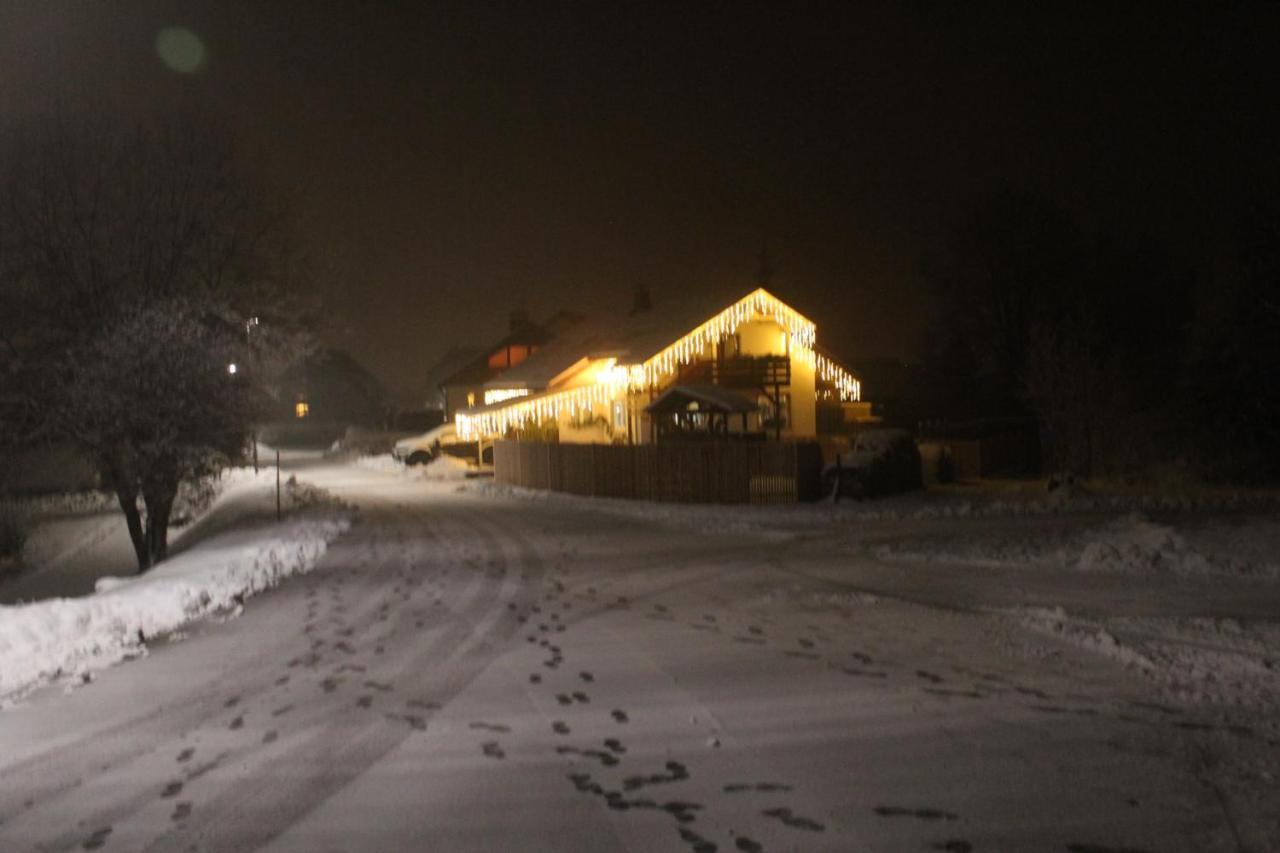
x,y
131,259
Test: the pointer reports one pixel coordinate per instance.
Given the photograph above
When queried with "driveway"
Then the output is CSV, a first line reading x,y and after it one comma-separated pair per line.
x,y
478,672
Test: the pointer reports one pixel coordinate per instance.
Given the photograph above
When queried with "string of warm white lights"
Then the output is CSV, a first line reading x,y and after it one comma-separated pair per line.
x,y
612,379
498,395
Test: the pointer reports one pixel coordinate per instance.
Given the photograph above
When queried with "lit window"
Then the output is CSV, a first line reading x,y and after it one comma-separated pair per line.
x,y
301,409
471,398
619,416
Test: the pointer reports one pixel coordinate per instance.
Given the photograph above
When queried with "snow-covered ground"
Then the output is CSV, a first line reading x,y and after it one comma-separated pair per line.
x,y
62,638
479,668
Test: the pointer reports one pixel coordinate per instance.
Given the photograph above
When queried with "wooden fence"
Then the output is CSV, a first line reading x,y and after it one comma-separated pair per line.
x,y
748,472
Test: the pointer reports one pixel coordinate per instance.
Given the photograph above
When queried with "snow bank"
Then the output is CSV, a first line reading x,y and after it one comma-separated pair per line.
x,y
48,639
1135,545
1193,660
1132,545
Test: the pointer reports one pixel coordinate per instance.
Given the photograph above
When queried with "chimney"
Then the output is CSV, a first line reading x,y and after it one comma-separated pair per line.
x,y
641,302
519,318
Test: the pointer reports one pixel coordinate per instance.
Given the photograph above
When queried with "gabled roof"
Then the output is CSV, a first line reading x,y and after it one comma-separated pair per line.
x,y
450,363
630,338
477,370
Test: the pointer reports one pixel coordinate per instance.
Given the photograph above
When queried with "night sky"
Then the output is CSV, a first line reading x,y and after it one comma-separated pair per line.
x,y
457,159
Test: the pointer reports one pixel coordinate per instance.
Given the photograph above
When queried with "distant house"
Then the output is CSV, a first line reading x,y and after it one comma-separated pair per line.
x,y
748,369
329,386
454,360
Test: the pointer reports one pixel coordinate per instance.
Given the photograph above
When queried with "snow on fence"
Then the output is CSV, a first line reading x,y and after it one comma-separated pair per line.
x,y
766,472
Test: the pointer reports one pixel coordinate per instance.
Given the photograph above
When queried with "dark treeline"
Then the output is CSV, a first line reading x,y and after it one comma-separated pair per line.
x,y
1131,361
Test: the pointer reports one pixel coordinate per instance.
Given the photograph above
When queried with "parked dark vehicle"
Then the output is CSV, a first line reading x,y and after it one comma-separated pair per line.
x,y
882,462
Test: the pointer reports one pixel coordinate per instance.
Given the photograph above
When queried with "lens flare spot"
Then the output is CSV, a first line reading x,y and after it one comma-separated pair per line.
x,y
181,50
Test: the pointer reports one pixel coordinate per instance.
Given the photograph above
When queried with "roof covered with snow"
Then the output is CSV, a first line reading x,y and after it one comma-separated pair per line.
x,y
629,337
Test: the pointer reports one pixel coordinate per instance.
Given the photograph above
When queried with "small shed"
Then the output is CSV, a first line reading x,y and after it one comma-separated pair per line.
x,y
699,411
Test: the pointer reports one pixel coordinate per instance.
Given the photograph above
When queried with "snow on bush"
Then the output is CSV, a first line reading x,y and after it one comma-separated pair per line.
x,y
48,639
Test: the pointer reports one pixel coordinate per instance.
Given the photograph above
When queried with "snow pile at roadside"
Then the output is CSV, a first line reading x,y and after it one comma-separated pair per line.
x,y
1134,545
443,467
1194,660
48,639
1055,622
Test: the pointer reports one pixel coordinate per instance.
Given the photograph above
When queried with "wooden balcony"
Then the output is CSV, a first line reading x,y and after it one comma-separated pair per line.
x,y
764,372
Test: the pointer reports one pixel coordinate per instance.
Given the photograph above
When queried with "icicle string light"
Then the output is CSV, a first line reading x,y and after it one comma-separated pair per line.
x,y
759,302
614,379
848,388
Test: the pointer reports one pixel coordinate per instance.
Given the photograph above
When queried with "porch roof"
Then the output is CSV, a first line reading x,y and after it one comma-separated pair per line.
x,y
710,398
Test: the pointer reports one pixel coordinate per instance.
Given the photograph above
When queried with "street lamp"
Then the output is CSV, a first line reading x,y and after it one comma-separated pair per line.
x,y
249,325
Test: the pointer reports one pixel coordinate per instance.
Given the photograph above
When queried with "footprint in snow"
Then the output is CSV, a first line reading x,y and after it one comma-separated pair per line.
x,y
415,722
99,838
173,789
365,701
587,677
603,757
493,749
237,723
181,811
922,814
270,737
748,845
560,727
232,702
185,755
793,820
953,845
619,715
581,697
676,772
929,676
696,841
490,727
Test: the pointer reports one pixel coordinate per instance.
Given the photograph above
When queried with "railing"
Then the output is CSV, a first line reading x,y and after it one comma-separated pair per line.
x,y
742,372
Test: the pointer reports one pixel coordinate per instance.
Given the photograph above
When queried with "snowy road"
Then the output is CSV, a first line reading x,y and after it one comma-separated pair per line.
x,y
483,673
